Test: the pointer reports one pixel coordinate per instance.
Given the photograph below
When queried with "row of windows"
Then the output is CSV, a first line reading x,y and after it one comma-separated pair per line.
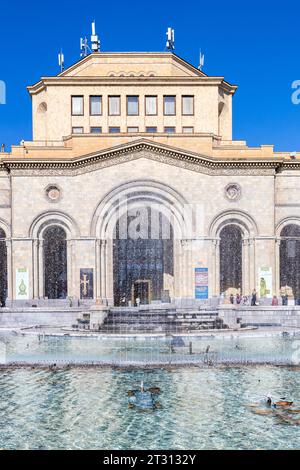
x,y
117,130
132,105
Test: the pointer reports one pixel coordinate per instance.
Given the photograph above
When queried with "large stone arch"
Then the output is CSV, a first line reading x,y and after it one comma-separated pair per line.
x,y
288,256
133,195
37,229
249,230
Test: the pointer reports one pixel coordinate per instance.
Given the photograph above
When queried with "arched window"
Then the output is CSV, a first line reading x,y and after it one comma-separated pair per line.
x,y
290,260
231,258
3,268
55,262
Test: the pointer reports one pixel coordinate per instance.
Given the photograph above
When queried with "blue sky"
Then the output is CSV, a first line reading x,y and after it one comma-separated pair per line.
x,y
254,44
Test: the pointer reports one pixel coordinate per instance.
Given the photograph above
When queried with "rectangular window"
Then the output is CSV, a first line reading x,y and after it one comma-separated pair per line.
x,y
96,130
151,105
132,105
187,105
151,130
95,105
77,130
169,105
114,105
114,130
132,129
169,130
77,105
187,130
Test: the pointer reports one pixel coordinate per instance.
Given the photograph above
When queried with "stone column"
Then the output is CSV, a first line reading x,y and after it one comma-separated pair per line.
x,y
40,276
277,266
69,268
103,268
9,270
252,270
217,267
246,265
35,268
97,293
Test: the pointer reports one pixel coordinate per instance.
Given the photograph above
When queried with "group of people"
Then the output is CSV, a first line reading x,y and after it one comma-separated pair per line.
x,y
239,299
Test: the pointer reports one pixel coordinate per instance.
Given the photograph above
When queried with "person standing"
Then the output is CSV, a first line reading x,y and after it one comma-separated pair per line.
x,y
137,301
231,298
253,298
238,298
274,301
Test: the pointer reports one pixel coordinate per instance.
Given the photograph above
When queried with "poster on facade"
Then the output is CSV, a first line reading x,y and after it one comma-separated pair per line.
x,y
86,283
201,283
22,284
265,281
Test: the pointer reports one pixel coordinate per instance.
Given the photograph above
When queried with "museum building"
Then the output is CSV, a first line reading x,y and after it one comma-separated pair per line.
x,y
132,187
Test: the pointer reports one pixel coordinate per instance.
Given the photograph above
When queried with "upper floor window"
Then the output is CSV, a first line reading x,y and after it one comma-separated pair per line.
x,y
187,130
150,105
132,129
95,105
114,105
114,130
132,105
187,105
77,130
169,105
169,130
77,105
96,130
151,130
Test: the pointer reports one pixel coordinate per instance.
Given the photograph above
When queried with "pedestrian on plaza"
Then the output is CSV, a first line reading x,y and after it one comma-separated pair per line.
x,y
231,298
253,298
274,301
137,301
238,298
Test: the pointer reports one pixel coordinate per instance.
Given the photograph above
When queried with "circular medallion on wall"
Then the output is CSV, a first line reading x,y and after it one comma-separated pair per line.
x,y
53,193
233,192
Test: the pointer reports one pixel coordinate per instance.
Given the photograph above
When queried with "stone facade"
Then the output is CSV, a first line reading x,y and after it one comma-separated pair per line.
x,y
203,180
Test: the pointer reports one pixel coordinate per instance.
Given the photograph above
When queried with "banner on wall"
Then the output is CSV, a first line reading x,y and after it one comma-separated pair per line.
x,y
86,283
22,284
265,282
201,283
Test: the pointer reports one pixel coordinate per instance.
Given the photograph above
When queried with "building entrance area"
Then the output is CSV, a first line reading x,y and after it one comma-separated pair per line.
x,y
142,256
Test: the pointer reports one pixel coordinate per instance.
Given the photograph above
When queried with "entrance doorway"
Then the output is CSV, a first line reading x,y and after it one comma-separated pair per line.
x,y
141,289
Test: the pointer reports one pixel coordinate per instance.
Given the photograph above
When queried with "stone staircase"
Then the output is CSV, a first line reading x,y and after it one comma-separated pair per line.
x,y
158,320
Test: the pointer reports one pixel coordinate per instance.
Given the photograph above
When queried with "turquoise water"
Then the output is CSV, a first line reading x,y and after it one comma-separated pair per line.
x,y
202,408
108,350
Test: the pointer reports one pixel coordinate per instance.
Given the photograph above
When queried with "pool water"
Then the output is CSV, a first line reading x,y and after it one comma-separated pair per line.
x,y
202,408
280,349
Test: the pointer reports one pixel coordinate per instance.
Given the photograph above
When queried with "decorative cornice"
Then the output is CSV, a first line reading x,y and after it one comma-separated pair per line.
x,y
147,149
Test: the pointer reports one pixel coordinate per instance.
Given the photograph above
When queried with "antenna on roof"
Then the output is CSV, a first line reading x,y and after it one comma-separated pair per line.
x,y
84,48
201,60
61,60
94,39
170,39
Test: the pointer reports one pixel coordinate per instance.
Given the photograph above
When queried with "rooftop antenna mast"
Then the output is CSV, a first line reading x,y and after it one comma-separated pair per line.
x,y
84,47
201,60
170,39
61,61
95,42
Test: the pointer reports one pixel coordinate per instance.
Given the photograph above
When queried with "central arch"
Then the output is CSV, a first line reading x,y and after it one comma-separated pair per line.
x,y
142,256
125,206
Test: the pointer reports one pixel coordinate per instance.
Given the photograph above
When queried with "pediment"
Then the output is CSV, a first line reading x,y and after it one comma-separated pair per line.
x,y
132,64
142,148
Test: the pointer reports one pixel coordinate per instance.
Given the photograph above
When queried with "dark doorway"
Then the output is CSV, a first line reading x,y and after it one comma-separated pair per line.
x,y
3,268
55,263
230,258
142,250
290,259
141,290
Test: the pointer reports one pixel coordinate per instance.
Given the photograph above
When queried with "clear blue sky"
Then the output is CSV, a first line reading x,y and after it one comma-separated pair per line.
x,y
254,44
